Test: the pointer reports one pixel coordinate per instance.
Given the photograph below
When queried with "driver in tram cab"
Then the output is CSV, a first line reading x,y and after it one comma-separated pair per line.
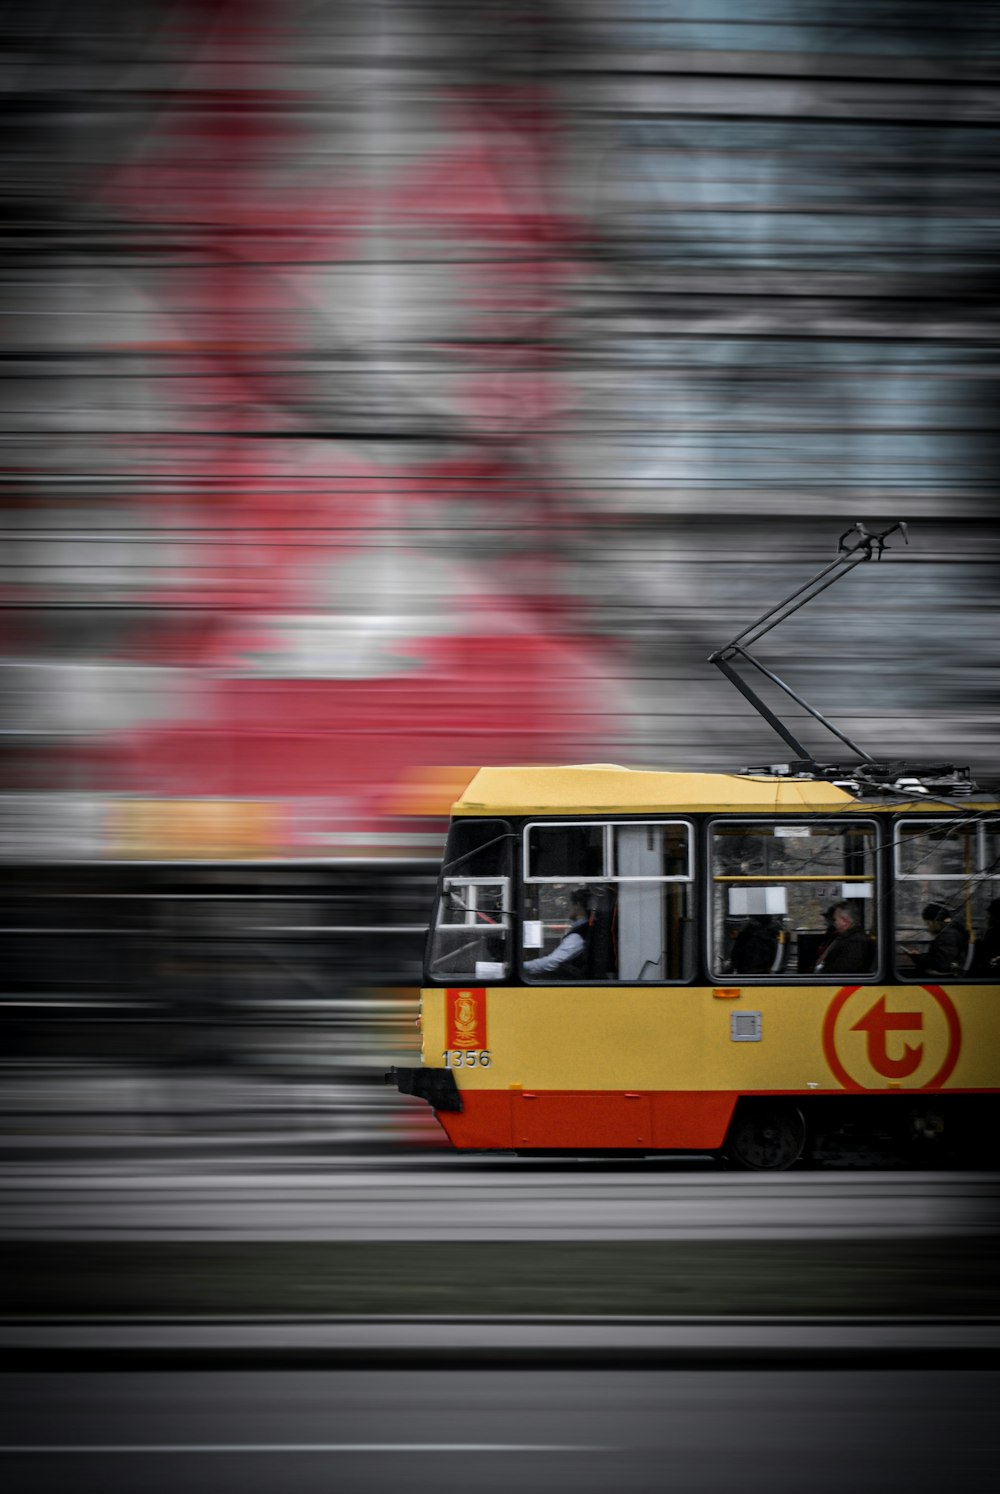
x,y
567,957
850,949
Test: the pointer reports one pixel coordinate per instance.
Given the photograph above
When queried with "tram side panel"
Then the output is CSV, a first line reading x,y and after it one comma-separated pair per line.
x,y
593,1068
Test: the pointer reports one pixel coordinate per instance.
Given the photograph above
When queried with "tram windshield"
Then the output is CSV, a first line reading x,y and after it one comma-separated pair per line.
x,y
471,937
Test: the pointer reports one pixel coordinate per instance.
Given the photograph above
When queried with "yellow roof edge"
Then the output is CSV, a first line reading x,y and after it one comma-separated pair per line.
x,y
605,788
609,789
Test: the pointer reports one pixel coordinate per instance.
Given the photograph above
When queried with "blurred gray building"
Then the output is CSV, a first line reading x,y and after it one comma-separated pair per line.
x,y
394,386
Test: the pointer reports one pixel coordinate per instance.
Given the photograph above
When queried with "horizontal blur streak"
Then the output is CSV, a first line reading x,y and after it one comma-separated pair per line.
x,y
394,387
162,999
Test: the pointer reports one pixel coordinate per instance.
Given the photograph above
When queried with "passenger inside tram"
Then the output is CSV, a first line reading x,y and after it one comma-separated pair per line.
x,y
850,950
812,946
755,945
945,953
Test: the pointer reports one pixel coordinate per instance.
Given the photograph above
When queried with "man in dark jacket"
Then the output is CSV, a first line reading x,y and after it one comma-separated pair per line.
x,y
850,950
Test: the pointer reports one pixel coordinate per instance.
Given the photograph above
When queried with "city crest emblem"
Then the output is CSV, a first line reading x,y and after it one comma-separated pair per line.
x,y
467,1018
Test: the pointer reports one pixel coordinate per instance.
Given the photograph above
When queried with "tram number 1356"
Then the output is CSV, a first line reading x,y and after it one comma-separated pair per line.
x,y
457,1058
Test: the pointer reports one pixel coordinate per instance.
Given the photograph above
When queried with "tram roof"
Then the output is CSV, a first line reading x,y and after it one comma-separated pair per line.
x,y
606,788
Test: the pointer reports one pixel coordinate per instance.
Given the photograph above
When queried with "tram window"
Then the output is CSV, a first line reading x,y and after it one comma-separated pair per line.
x,y
953,868
926,851
471,933
774,891
636,878
558,852
990,831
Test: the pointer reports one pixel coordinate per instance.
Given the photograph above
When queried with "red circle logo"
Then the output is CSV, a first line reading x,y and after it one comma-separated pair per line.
x,y
883,1037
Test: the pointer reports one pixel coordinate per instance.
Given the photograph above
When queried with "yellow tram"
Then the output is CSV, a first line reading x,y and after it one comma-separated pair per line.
x,y
658,1035
798,960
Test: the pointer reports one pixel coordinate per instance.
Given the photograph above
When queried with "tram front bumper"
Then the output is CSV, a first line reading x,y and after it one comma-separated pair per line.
x,y
436,1086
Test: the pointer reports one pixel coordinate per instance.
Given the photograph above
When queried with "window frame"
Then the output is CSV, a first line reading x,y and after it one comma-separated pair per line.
x,y
507,923
578,879
796,977
927,823
980,823
502,830
688,878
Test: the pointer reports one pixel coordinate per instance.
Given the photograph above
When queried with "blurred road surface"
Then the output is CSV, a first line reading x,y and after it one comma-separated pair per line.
x,y
708,1431
462,1198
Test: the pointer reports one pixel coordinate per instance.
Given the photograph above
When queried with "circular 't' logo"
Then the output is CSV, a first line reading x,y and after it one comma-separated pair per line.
x,y
879,1038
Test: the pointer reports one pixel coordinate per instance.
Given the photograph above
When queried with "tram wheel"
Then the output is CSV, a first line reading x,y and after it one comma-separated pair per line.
x,y
766,1136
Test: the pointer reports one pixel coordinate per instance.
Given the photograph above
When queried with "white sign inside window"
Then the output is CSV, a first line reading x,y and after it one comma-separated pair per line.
x,y
856,889
532,933
792,832
745,901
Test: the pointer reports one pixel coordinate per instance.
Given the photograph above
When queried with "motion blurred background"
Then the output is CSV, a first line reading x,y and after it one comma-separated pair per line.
x,y
391,386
